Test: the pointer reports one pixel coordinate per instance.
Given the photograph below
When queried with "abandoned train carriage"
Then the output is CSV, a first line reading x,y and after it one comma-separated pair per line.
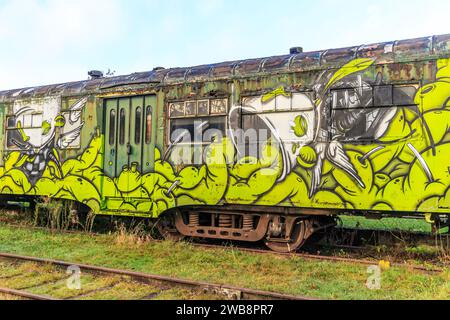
x,y
248,150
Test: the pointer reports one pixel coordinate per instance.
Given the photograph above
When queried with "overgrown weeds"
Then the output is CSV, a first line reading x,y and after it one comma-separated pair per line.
x,y
132,235
61,215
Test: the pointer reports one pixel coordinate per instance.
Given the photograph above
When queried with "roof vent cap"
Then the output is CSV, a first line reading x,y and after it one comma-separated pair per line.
x,y
95,74
296,50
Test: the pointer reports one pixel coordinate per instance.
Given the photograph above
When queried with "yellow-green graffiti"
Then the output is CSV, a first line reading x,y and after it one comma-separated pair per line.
x,y
370,155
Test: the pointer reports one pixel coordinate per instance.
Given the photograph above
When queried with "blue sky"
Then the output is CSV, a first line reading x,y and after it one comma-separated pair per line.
x,y
52,41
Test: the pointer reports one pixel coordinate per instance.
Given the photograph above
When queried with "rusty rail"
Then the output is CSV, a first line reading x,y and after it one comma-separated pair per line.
x,y
24,294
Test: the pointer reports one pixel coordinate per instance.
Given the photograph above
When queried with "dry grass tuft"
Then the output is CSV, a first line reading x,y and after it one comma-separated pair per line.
x,y
133,236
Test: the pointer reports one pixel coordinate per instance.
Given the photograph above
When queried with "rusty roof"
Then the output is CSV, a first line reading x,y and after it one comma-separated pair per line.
x,y
386,52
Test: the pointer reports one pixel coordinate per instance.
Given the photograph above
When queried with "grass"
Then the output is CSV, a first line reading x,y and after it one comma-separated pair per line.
x,y
408,225
320,279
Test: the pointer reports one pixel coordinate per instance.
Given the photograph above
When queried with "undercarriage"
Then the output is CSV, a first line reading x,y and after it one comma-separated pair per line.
x,y
281,233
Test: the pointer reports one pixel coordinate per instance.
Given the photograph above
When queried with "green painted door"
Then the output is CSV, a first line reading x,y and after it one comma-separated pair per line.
x,y
123,140
130,142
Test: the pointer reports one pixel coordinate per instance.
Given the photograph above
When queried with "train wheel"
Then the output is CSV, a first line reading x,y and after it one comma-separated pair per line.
x,y
301,231
167,230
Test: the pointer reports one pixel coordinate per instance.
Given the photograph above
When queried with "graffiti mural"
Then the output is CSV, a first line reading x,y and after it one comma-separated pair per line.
x,y
32,131
353,141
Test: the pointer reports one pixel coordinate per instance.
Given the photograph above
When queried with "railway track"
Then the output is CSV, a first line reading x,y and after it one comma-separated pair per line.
x,y
44,279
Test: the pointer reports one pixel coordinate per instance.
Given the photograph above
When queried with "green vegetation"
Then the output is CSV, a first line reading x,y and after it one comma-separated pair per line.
x,y
409,225
320,279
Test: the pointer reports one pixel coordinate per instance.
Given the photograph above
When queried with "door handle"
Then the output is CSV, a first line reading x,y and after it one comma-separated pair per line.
x,y
129,149
113,152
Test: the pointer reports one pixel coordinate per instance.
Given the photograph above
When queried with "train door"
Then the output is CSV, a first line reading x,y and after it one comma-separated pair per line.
x,y
129,141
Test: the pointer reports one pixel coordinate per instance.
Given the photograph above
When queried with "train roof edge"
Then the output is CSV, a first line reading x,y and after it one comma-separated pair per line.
x,y
385,52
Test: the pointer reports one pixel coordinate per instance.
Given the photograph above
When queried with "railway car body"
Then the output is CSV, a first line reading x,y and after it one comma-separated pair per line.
x,y
246,150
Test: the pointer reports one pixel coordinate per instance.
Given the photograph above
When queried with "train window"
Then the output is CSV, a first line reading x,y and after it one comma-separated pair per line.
x,y
215,128
219,106
254,122
122,127
203,108
11,123
352,98
271,103
363,125
197,130
112,127
206,118
137,126
382,96
177,109
403,95
256,133
350,125
148,125
20,128
359,114
190,109
25,121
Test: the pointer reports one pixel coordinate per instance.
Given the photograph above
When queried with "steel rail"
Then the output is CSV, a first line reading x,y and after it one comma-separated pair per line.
x,y
236,292
25,294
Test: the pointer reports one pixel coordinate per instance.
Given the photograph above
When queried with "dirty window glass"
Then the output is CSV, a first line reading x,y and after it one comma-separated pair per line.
x,y
148,124
253,122
177,109
197,130
122,127
112,127
352,98
190,108
206,118
403,95
382,96
137,126
11,122
219,106
203,108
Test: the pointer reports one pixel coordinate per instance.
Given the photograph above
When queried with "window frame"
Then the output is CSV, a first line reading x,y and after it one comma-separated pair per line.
x,y
171,118
9,129
372,106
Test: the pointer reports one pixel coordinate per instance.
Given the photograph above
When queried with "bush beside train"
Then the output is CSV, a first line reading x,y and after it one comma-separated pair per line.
x,y
266,149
